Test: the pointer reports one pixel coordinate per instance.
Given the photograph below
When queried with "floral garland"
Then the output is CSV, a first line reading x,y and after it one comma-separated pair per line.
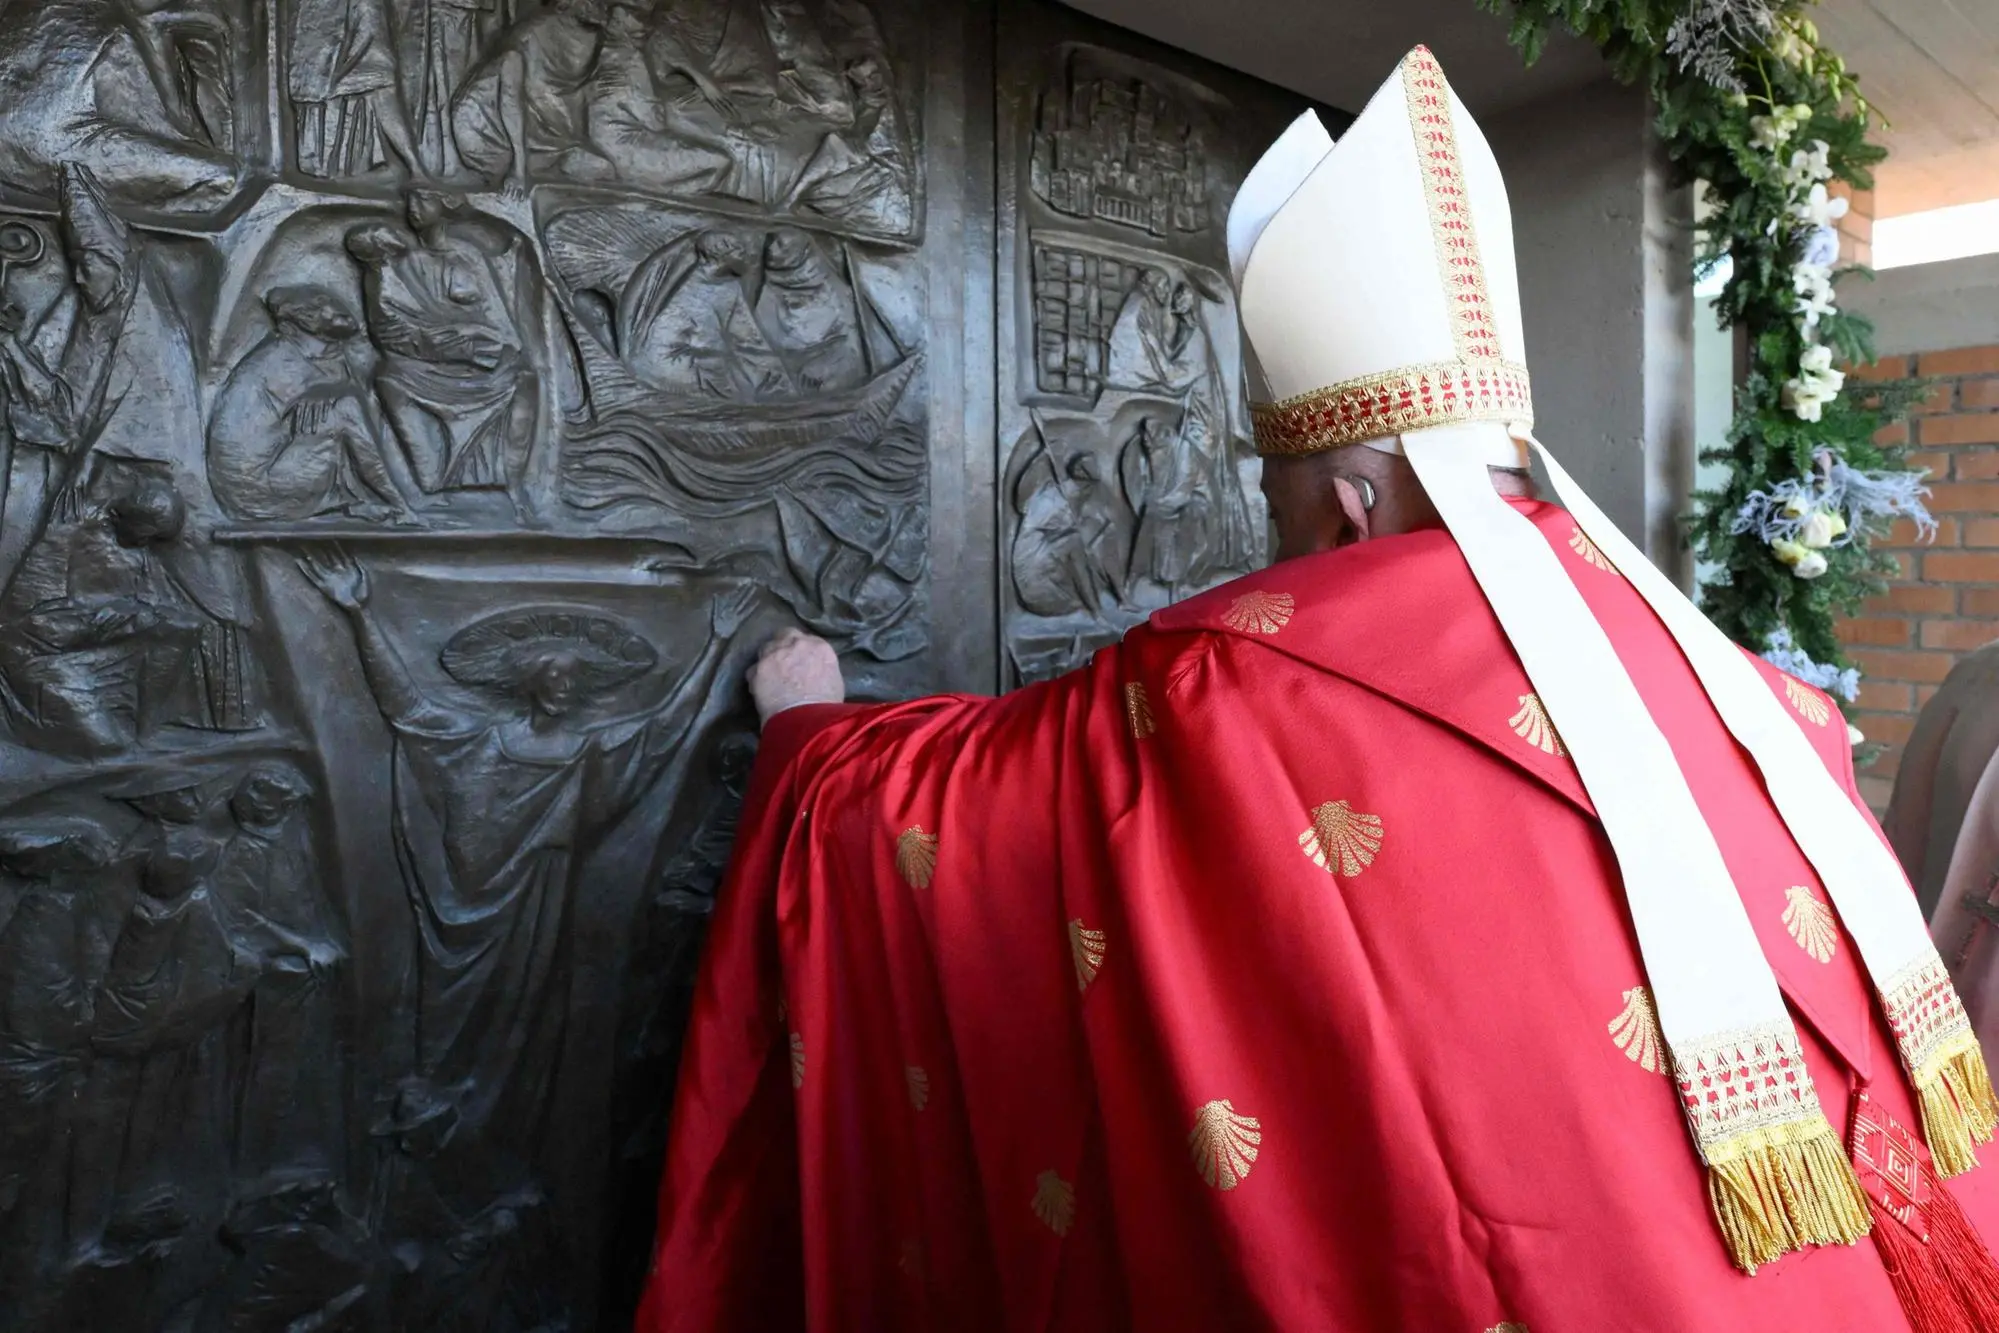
x,y
1750,104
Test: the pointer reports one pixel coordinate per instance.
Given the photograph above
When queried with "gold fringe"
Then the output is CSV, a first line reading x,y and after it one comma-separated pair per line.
x,y
1959,1109
1783,1188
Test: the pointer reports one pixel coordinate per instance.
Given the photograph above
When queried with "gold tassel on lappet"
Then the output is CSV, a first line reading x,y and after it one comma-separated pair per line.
x,y
1959,1108
1785,1187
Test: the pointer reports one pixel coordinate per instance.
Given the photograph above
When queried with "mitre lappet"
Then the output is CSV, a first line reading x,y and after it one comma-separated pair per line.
x,y
1379,297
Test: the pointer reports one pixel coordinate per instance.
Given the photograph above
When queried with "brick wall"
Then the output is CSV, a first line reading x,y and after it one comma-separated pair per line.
x,y
1946,600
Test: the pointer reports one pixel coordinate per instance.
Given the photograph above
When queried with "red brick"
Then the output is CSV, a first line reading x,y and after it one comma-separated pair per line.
x,y
1893,436
1902,532
1914,599
1959,428
1887,368
1936,464
1885,697
1875,631
1959,635
1942,397
1960,361
1920,668
1904,566
1978,393
1925,693
1961,567
1966,497
1974,464
1981,532
1981,601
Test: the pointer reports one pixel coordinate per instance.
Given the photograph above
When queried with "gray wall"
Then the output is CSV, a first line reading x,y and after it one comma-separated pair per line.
x,y
1604,245
1929,307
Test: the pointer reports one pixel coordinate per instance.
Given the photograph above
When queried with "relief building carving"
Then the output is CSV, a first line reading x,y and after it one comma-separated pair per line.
x,y
413,416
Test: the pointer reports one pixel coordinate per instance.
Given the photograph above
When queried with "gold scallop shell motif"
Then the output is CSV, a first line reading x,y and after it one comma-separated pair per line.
x,y
1636,1032
1086,950
1531,724
919,1085
1810,923
797,1061
1341,841
1260,612
1808,701
1224,1144
916,856
1591,553
1138,710
1055,1202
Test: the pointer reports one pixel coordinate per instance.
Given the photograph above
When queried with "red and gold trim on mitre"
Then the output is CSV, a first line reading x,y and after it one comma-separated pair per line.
x,y
1402,400
1479,385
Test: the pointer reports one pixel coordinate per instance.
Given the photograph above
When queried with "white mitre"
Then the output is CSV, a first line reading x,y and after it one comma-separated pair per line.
x,y
1381,306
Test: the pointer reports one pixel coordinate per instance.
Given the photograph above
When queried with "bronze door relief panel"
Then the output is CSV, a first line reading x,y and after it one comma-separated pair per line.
x,y
413,415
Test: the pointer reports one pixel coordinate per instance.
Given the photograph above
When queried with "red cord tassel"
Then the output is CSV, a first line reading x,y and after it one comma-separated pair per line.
x,y
1943,1273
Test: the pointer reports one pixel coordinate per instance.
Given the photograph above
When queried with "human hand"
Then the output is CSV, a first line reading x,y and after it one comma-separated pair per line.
x,y
795,668
335,574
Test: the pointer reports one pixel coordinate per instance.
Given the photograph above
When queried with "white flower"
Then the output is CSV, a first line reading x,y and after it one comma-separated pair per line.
x,y
1822,248
1853,735
1797,507
1769,133
1816,532
1813,286
1816,385
1817,208
1811,566
1788,552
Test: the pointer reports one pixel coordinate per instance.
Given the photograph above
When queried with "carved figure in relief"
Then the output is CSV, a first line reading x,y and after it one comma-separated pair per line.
x,y
442,40
450,311
522,110
809,311
288,1119
295,432
149,1170
636,134
808,76
1065,556
685,323
341,73
128,390
51,957
498,805
95,635
863,174
136,91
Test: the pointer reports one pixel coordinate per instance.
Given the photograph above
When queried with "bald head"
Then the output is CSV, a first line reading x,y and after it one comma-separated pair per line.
x,y
1323,501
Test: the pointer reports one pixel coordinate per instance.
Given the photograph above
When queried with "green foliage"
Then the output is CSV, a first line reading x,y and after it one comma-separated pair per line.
x,y
1765,55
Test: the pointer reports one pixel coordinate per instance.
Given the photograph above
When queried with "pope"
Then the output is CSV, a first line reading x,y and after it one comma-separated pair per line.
x,y
1443,929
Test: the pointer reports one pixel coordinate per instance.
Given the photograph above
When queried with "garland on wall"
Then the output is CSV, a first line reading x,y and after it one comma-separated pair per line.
x,y
1755,108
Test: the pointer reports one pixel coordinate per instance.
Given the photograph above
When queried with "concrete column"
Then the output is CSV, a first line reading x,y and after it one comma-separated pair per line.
x,y
1604,243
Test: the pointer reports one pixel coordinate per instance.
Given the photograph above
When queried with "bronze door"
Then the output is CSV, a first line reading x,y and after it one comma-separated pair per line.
x,y
413,414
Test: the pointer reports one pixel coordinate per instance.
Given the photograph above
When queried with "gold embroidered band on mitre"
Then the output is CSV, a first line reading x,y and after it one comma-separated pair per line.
x,y
1944,1061
1778,1176
1417,398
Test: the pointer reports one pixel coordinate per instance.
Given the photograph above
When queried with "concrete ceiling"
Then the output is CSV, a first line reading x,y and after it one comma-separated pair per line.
x,y
1932,67
1339,51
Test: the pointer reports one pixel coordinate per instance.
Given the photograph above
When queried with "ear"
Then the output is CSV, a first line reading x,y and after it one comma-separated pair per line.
x,y
1354,507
